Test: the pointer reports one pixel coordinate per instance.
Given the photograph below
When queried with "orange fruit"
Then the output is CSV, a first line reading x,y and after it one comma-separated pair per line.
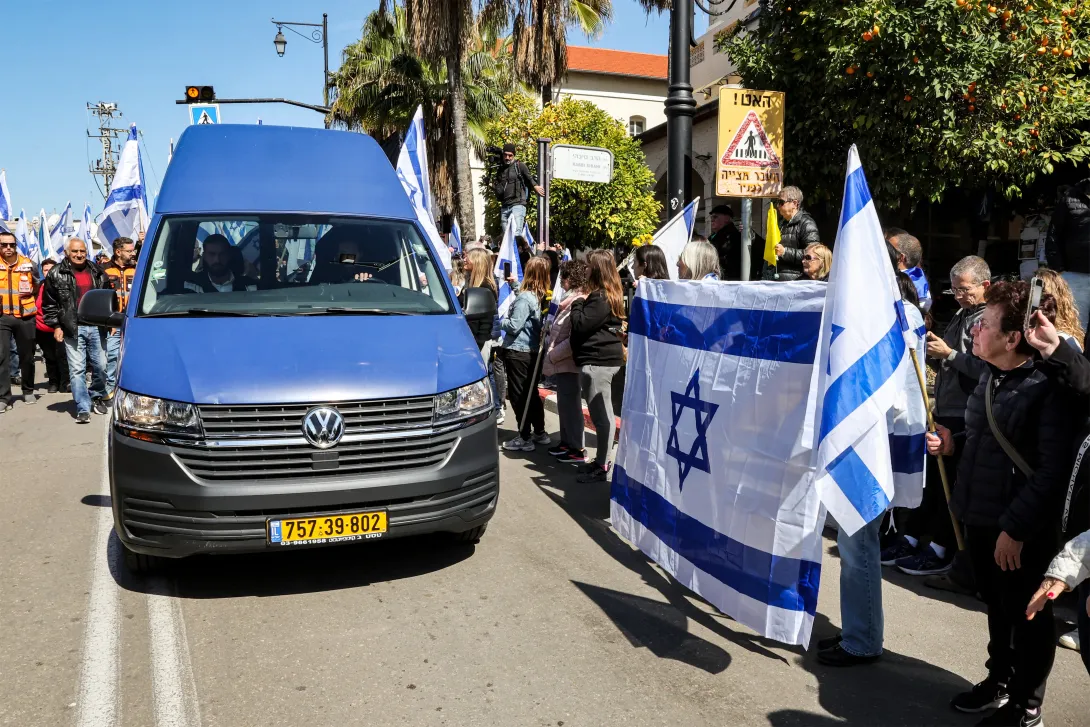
x,y
875,29
1042,50
870,75
867,35
1067,53
850,70
1006,14
907,97
1033,133
1056,51
991,8
972,108
915,59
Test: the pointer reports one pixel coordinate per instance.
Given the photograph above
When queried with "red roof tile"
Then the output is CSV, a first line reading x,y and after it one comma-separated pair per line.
x,y
617,62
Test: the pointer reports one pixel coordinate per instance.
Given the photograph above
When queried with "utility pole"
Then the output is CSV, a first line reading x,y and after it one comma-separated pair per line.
x,y
106,167
680,107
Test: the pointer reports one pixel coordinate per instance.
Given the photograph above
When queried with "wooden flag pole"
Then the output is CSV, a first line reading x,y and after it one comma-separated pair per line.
x,y
942,464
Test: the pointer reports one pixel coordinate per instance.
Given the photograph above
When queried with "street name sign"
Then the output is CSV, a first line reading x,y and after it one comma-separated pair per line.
x,y
750,143
582,163
204,114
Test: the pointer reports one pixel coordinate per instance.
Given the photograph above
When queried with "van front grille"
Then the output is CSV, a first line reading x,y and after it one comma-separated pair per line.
x,y
277,421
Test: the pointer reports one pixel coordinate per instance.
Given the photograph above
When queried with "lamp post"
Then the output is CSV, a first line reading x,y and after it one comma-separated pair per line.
x,y
320,34
680,107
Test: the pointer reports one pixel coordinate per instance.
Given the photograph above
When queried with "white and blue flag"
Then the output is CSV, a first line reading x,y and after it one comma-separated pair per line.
x,y
865,366
6,208
672,238
60,233
455,236
45,246
509,253
27,246
85,229
412,170
126,210
713,477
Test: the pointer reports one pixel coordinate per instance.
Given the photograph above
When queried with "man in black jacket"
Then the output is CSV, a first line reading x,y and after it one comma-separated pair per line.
x,y
797,231
85,346
727,241
216,274
512,181
1067,245
1015,461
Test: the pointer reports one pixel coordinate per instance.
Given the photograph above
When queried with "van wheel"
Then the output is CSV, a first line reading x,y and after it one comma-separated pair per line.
x,y
140,564
471,536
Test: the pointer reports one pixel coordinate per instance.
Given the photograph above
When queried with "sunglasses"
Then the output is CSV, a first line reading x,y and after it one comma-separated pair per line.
x,y
8,244
808,258
781,202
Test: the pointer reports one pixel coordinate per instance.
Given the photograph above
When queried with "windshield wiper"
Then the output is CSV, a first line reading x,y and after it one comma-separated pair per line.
x,y
202,312
338,311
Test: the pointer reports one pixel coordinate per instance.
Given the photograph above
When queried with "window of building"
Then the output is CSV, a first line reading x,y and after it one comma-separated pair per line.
x,y
636,125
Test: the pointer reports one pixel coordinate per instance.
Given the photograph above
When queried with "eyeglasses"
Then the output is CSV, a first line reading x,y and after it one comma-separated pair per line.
x,y
7,244
808,258
964,290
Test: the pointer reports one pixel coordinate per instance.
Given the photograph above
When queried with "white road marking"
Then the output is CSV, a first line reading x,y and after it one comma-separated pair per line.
x,y
98,704
171,669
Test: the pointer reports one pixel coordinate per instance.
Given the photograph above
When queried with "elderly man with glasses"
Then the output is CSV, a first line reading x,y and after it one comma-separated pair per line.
x,y
18,287
797,232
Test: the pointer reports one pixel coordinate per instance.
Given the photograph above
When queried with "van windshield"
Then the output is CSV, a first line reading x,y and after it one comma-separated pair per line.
x,y
281,264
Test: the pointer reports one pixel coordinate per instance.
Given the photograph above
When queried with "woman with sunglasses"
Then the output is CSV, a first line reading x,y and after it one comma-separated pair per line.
x,y
797,232
816,262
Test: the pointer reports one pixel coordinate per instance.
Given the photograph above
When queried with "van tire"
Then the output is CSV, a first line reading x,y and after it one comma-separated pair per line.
x,y
471,537
140,564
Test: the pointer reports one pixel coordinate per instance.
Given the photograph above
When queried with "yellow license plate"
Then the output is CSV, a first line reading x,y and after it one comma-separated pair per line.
x,y
327,528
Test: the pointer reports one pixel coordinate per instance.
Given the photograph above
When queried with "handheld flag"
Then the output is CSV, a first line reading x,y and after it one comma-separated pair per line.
x,y
59,234
455,236
526,234
772,235
28,247
126,210
45,248
412,170
675,235
508,254
85,228
862,365
5,197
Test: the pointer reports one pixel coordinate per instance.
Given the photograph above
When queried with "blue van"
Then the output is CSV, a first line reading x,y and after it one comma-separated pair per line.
x,y
296,369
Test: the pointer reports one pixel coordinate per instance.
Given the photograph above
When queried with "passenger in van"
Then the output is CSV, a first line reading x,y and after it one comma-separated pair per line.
x,y
216,273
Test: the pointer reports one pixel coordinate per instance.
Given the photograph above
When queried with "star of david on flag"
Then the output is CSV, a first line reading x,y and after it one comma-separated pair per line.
x,y
697,456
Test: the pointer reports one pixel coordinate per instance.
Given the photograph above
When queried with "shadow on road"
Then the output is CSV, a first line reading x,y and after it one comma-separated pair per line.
x,y
656,626
96,500
897,690
305,571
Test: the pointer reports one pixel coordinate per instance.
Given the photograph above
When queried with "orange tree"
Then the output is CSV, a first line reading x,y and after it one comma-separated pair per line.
x,y
938,94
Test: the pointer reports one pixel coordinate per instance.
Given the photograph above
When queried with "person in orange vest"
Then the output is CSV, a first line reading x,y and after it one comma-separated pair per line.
x,y
120,271
18,286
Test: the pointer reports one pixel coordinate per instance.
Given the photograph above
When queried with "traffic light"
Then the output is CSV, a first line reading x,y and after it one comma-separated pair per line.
x,y
199,94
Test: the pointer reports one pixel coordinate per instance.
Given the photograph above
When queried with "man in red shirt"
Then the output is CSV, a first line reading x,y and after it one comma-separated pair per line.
x,y
84,345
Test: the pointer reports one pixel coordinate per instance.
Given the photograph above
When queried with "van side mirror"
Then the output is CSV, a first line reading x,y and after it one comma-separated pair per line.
x,y
97,309
480,309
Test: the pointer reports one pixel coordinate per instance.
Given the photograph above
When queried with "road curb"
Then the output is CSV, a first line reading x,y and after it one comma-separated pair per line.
x,y
548,399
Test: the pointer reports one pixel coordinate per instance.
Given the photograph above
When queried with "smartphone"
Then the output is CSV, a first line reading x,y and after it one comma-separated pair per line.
x,y
506,271
1036,288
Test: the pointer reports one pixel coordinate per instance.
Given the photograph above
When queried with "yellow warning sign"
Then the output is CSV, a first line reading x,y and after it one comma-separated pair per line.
x,y
750,143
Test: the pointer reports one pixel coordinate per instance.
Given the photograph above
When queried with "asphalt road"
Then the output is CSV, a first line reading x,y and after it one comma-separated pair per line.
x,y
550,620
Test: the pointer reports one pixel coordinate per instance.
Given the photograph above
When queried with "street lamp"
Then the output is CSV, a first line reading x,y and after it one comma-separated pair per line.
x,y
320,34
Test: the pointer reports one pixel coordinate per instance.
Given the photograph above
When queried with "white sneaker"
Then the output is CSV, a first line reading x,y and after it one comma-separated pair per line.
x,y
518,444
1070,640
542,438
501,418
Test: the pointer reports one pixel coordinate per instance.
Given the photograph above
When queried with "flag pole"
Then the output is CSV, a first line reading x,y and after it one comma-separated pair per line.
x,y
942,463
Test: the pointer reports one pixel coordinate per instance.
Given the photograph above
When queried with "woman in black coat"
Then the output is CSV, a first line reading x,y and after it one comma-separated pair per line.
x,y
1010,499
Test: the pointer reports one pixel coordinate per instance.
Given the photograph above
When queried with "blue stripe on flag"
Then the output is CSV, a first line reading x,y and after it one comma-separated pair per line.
x,y
858,484
786,583
860,380
856,196
906,452
790,337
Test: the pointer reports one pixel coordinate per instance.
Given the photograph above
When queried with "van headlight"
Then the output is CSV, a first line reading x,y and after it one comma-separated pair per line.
x,y
148,412
463,403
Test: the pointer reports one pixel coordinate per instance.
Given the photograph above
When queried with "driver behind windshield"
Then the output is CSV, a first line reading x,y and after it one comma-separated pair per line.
x,y
216,274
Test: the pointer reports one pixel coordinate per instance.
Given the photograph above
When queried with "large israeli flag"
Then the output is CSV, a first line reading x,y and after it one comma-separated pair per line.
x,y
713,476
412,170
509,253
60,233
126,210
6,208
27,246
864,366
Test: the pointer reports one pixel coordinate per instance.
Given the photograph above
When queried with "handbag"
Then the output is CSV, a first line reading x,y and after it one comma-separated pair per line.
x,y
1019,462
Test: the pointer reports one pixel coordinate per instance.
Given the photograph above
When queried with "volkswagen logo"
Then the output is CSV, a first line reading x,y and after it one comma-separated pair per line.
x,y
323,427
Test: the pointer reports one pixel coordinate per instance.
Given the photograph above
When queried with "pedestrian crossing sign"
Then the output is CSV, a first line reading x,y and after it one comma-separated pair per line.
x,y
750,162
204,114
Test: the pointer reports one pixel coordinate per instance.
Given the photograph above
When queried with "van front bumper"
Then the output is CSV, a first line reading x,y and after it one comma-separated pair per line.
x,y
162,508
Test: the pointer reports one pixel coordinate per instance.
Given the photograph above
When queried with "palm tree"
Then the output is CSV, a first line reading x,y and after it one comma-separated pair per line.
x,y
382,81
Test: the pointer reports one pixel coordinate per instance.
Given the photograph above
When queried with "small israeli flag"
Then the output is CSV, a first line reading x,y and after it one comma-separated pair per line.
x,y
455,236
672,238
863,370
85,228
27,246
508,254
126,210
45,246
59,234
6,207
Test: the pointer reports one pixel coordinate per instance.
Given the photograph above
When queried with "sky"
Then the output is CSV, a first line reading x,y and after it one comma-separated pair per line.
x,y
58,55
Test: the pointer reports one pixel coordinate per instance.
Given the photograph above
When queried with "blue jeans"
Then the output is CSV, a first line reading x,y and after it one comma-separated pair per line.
x,y
861,590
113,353
86,348
518,211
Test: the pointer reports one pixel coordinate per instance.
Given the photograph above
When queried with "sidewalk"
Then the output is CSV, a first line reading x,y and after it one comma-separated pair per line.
x,y
548,398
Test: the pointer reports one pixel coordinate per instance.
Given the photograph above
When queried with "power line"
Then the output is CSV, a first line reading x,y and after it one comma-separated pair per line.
x,y
106,167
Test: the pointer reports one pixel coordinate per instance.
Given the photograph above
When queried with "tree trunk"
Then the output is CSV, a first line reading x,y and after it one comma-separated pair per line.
x,y
463,176
546,95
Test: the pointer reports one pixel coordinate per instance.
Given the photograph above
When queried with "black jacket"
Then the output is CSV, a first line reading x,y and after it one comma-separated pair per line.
x,y
592,343
957,379
60,298
512,182
728,243
1067,245
200,282
795,235
1036,416
1071,370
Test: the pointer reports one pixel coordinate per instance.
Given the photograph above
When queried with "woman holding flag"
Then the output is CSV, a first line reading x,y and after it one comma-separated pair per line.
x,y
522,336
